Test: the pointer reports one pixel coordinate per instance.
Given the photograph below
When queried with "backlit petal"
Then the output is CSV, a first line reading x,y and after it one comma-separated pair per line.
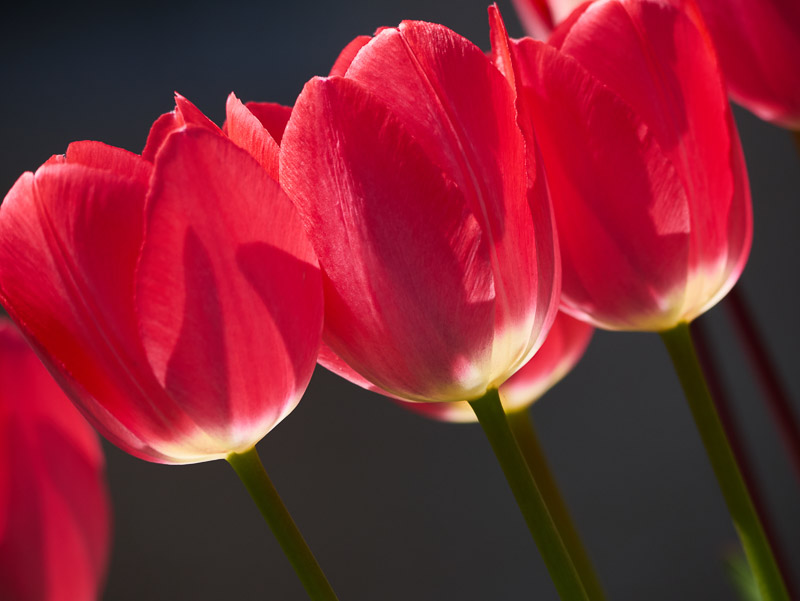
x,y
227,287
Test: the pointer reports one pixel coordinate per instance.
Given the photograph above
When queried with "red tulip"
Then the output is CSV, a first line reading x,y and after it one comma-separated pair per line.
x,y
643,160
565,345
758,42
429,214
173,295
54,509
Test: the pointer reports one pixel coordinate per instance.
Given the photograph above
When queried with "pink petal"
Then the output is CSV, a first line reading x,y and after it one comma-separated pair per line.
x,y
272,116
624,240
54,510
185,113
347,55
247,132
461,110
402,274
758,45
227,287
671,79
191,115
161,128
109,158
547,271
69,240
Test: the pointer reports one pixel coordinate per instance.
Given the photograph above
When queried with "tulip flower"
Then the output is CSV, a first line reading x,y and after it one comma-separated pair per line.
x,y
757,42
426,204
665,243
650,191
431,224
130,281
173,294
54,507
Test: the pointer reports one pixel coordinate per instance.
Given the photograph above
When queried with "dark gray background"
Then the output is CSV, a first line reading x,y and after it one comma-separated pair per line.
x,y
394,506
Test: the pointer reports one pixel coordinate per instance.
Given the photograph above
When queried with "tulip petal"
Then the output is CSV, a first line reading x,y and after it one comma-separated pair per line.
x,y
547,270
272,116
185,113
247,132
461,110
347,55
161,128
109,158
607,241
684,105
227,286
68,236
363,188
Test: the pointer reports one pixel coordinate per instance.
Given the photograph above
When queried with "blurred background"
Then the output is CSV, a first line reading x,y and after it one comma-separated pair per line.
x,y
396,507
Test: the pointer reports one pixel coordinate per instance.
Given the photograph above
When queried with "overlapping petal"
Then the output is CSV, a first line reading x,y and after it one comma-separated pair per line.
x,y
69,240
259,132
227,287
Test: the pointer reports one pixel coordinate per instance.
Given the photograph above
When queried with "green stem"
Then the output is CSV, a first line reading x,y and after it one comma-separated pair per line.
x,y
251,471
740,506
492,418
524,431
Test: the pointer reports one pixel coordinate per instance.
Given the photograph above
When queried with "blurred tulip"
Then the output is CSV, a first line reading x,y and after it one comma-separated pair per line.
x,y
173,295
54,509
757,42
643,160
565,345
428,211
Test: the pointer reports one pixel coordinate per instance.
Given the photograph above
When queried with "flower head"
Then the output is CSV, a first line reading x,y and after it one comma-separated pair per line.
x,y
173,294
